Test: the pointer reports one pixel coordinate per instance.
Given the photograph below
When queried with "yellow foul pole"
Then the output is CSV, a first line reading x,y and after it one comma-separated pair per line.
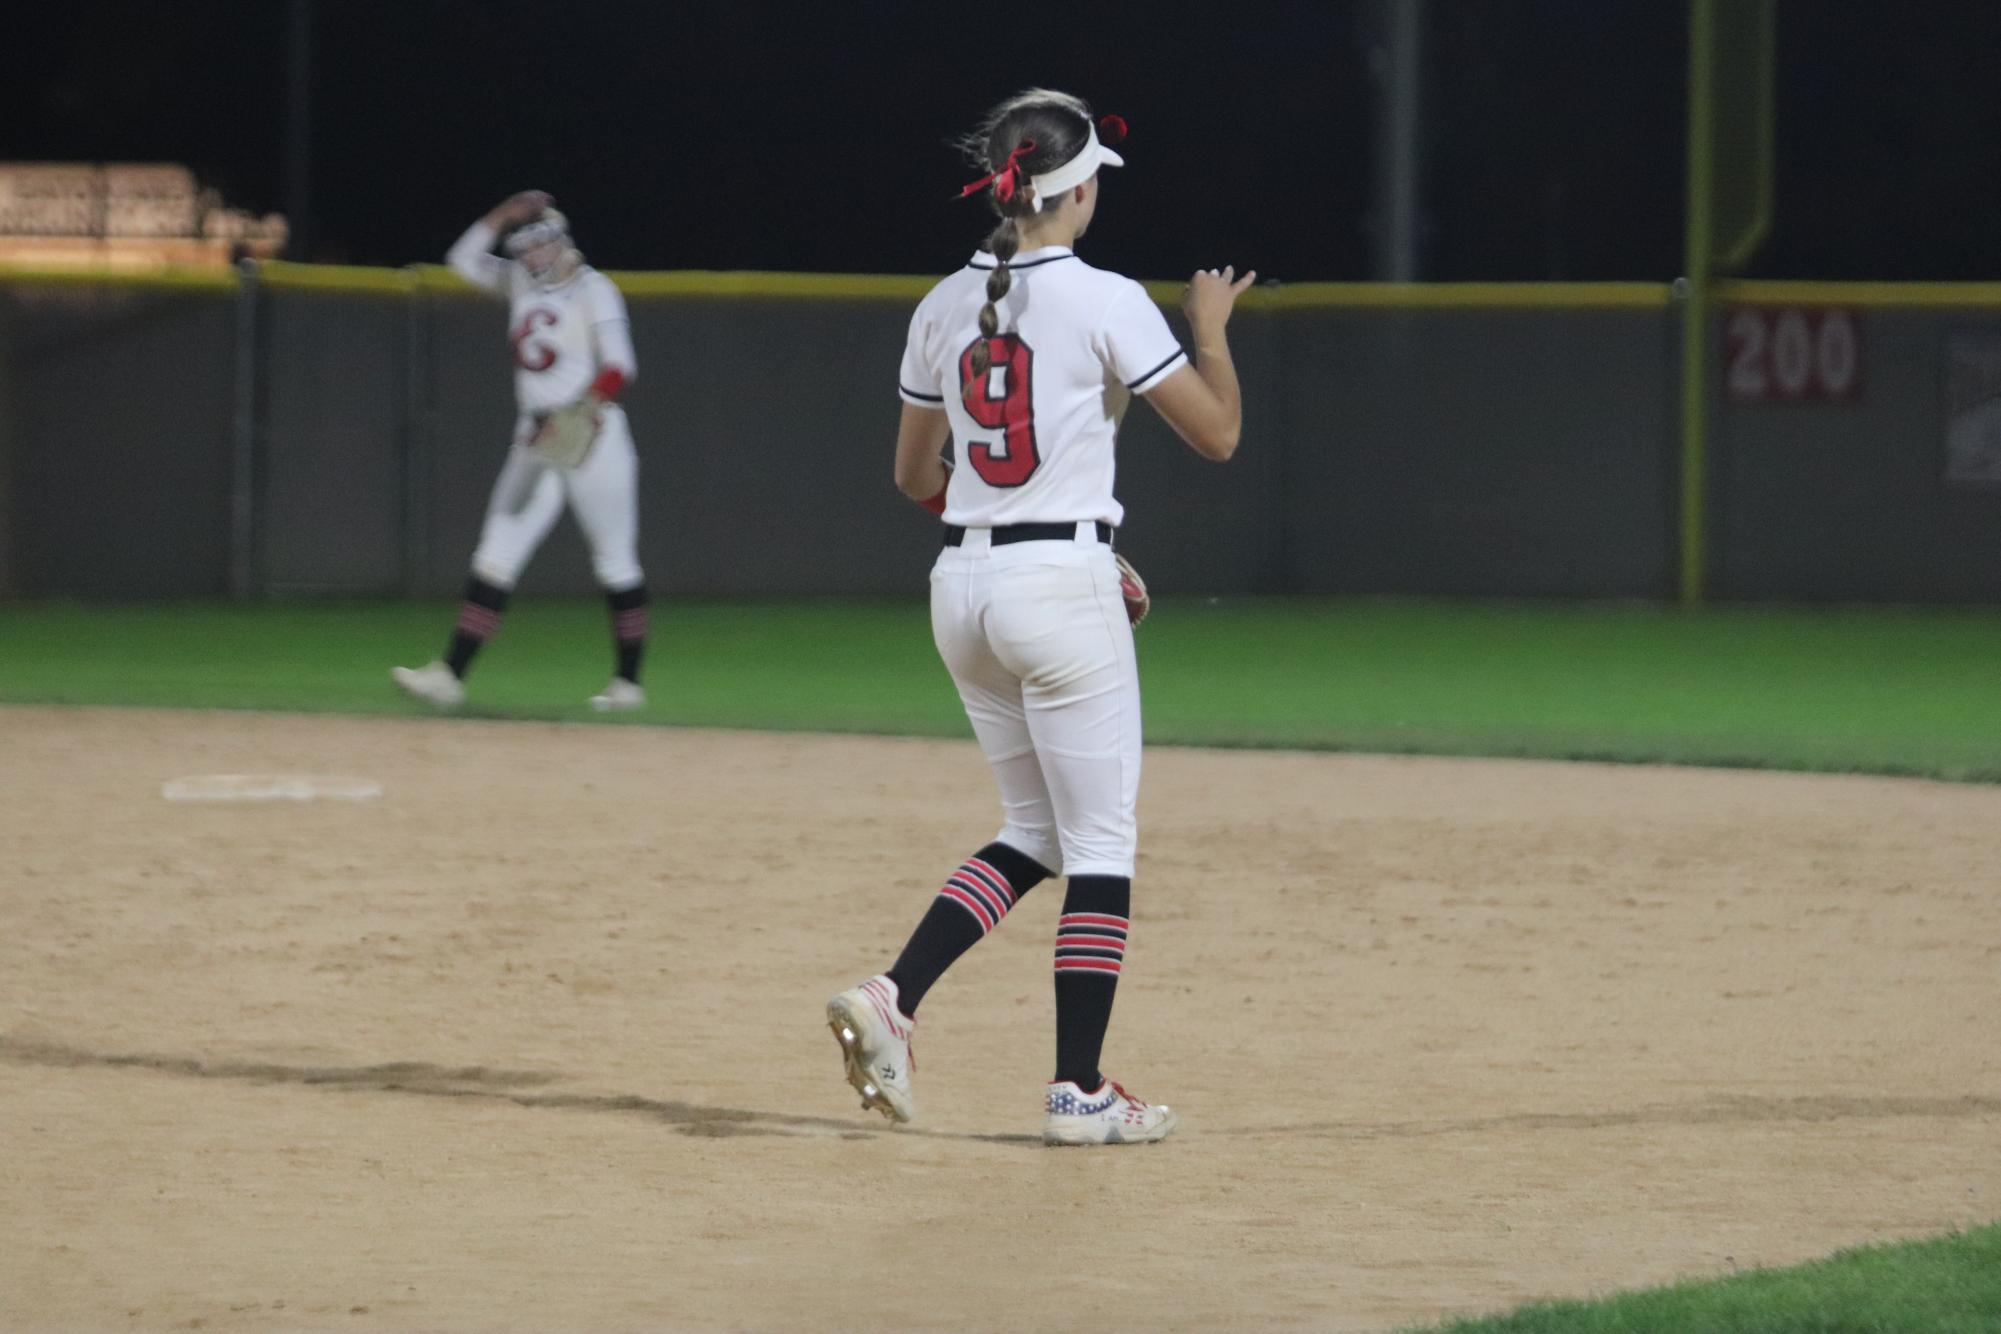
x,y
1694,291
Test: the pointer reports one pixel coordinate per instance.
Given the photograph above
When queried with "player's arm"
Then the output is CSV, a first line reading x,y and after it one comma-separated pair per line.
x,y
472,257
611,334
921,433
1202,401
920,471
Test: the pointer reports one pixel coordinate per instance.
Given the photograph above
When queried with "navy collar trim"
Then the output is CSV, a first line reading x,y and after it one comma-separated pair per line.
x,y
1027,264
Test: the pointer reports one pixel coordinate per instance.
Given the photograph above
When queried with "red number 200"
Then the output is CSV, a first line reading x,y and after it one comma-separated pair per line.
x,y
1012,459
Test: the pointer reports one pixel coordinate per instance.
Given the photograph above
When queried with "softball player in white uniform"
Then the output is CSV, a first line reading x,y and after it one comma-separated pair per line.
x,y
572,342
1028,358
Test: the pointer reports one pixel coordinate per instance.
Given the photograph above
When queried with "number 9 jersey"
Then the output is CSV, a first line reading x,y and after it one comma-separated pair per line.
x,y
1035,434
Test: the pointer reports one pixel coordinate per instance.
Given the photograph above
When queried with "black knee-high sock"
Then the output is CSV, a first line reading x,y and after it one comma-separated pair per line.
x,y
972,902
1090,949
628,629
479,620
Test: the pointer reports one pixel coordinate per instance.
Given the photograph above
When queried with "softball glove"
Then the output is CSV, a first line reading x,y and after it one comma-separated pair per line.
x,y
1133,588
566,435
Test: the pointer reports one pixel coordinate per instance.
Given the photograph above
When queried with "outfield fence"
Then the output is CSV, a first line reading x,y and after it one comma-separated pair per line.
x,y
295,430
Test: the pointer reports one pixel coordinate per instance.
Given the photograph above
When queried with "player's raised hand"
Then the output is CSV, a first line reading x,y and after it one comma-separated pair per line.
x,y
1210,295
518,208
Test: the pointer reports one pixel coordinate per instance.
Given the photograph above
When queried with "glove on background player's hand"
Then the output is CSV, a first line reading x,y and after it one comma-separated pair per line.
x,y
566,435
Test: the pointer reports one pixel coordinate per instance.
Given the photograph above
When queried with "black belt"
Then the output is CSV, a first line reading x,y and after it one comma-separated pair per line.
x,y
1028,532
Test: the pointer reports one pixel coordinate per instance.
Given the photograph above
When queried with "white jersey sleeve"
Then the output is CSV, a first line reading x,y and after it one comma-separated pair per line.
x,y
1135,341
472,258
917,381
611,327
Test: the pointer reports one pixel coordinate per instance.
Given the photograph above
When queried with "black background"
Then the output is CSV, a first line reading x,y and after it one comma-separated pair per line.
x,y
786,136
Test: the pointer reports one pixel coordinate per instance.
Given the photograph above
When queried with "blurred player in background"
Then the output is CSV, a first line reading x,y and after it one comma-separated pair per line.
x,y
1028,358
573,356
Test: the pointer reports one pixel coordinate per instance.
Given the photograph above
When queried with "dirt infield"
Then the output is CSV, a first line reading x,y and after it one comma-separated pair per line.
x,y
534,1040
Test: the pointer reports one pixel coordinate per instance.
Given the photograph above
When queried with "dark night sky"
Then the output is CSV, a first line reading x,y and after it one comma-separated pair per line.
x,y
813,137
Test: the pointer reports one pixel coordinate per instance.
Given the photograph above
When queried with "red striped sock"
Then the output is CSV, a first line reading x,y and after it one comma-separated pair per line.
x,y
1090,954
477,622
1090,942
972,902
982,891
628,629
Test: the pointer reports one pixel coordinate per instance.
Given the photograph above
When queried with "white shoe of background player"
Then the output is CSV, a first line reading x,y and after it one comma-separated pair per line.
x,y
620,694
875,1043
433,683
1109,1116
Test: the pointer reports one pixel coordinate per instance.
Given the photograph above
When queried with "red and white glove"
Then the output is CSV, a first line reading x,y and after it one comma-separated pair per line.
x,y
1133,588
564,437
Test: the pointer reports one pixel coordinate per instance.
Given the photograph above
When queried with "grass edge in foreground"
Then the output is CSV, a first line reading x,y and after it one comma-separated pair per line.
x,y
1949,1284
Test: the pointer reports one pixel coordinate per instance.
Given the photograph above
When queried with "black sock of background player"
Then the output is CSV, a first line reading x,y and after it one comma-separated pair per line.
x,y
972,902
479,619
628,628
1090,949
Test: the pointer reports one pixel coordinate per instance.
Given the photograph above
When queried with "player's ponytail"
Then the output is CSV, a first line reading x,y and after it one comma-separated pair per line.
x,y
1002,243
1032,132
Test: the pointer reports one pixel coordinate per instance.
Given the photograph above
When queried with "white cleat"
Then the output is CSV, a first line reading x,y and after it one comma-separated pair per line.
x,y
433,683
1109,1116
620,695
875,1044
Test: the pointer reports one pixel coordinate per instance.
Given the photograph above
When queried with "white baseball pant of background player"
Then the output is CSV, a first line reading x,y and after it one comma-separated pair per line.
x,y
529,495
572,344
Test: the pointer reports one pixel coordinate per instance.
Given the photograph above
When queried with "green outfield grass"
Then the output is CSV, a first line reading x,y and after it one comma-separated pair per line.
x,y
1949,1285
1887,691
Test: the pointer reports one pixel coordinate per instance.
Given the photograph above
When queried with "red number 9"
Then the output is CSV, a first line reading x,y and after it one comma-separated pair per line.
x,y
1012,459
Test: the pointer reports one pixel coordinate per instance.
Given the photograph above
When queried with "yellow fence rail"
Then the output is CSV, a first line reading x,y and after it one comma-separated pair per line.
x,y
209,279
756,284
1932,296
905,288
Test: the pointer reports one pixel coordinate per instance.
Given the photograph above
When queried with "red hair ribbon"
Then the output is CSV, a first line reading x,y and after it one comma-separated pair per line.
x,y
1112,129
1003,179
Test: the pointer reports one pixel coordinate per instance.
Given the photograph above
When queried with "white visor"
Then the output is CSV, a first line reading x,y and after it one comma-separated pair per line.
x,y
1052,184
548,226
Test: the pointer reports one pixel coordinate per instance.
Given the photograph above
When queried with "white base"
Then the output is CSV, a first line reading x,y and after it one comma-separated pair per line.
x,y
270,787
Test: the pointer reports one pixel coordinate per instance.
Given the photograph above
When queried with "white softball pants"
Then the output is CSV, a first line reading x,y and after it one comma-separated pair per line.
x,y
530,492
1036,638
